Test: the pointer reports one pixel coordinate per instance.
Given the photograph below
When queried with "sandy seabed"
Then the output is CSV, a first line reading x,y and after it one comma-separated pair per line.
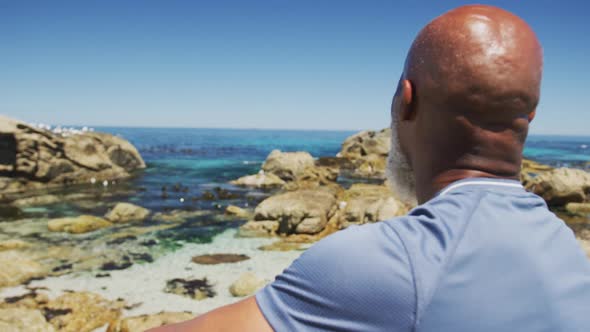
x,y
142,285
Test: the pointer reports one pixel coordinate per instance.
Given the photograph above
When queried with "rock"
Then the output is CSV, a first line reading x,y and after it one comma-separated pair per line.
x,y
247,284
578,208
364,203
301,211
23,320
126,212
261,180
177,216
30,300
13,244
260,228
81,312
18,268
287,165
237,211
9,212
145,322
198,289
77,225
36,200
561,186
219,259
530,169
282,246
313,177
368,151
33,158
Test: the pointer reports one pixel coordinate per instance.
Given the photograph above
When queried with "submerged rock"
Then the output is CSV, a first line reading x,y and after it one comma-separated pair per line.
x,y
561,186
178,216
301,211
145,322
23,320
247,284
77,225
17,268
197,289
219,259
126,212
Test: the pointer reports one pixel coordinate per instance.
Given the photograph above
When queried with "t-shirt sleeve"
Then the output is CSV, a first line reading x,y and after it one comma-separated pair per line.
x,y
358,279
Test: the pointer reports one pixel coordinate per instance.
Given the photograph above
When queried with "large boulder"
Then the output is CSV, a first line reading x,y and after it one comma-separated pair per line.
x,y
126,212
146,322
299,212
368,151
561,186
23,320
287,165
18,268
366,203
77,225
33,158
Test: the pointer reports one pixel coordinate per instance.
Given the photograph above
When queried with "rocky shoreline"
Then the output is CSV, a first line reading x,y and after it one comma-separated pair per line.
x,y
119,266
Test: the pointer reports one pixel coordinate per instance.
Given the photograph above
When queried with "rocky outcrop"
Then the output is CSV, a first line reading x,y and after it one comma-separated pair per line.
x,y
127,212
368,151
287,165
366,203
295,212
82,312
77,225
18,268
561,186
33,158
145,322
247,284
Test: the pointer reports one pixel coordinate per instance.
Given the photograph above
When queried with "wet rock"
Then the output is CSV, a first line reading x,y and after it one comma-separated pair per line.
x,y
237,211
177,216
301,211
127,212
197,289
36,200
62,268
9,212
561,186
142,257
18,268
208,196
575,208
145,322
113,265
261,180
77,225
219,259
122,239
81,312
34,158
13,244
247,284
23,320
283,246
287,165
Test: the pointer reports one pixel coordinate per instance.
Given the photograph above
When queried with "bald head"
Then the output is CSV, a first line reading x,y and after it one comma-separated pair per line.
x,y
476,58
468,92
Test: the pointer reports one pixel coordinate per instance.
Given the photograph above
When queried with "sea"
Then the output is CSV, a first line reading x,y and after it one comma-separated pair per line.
x,y
190,170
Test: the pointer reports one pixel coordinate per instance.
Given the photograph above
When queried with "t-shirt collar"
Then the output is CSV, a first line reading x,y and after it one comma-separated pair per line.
x,y
484,182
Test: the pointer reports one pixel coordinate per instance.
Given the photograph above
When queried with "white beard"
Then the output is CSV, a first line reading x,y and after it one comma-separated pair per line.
x,y
400,174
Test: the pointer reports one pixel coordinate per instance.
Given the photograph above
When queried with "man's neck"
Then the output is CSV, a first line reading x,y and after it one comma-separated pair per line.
x,y
440,181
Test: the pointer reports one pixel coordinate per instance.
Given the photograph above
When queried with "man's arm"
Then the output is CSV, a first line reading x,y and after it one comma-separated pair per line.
x,y
240,316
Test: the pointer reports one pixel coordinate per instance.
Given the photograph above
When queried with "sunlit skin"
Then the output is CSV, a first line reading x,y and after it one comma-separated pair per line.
x,y
468,92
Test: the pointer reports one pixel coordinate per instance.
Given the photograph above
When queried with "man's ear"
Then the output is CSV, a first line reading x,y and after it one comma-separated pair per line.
x,y
406,100
532,115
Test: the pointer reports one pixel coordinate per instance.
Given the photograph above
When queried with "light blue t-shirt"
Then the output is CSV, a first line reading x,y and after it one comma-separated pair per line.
x,y
483,255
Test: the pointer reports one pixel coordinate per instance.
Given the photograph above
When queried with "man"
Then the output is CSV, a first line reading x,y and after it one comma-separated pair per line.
x,y
480,253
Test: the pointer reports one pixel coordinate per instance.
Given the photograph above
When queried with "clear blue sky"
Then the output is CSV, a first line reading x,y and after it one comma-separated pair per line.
x,y
308,64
